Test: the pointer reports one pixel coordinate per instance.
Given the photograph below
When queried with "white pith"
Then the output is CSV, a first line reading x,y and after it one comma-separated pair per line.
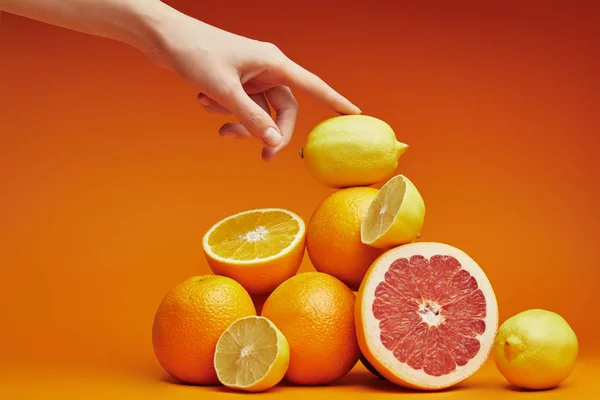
x,y
371,331
383,210
429,313
254,236
246,351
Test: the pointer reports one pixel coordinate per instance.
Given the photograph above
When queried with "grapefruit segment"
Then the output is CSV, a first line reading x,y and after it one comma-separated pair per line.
x,y
426,316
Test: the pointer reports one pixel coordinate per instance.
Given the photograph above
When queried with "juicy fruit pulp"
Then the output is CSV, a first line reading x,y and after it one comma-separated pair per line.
x,y
251,355
426,315
333,236
447,317
258,248
352,150
395,216
189,322
315,312
536,349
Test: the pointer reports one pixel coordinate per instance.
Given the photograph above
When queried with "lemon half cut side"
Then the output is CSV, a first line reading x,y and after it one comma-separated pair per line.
x,y
395,216
252,355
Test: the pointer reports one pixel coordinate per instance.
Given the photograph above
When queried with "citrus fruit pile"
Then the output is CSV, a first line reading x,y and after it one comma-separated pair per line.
x,y
424,316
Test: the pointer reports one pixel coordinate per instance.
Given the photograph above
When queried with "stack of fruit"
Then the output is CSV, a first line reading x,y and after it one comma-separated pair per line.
x,y
425,315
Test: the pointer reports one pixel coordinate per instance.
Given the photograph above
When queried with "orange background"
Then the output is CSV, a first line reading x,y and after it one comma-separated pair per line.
x,y
110,172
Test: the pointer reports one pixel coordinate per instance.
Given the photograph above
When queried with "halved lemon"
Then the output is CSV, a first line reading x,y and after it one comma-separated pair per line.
x,y
395,216
252,355
258,248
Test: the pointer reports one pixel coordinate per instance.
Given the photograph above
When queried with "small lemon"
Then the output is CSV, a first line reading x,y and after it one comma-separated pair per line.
x,y
352,150
535,349
395,216
252,355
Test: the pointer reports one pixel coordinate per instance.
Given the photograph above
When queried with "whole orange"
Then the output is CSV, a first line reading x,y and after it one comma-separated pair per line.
x,y
189,322
333,236
315,312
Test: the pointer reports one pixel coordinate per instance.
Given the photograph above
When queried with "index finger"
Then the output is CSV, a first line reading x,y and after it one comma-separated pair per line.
x,y
297,76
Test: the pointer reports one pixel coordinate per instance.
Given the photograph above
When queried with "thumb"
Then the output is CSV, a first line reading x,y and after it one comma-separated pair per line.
x,y
257,121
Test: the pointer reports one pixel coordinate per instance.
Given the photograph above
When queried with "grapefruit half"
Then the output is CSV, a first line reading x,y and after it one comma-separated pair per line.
x,y
426,316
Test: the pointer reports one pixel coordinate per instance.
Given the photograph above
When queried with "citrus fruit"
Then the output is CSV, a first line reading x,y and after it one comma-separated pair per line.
x,y
426,316
252,355
333,236
258,248
535,349
189,322
395,216
352,150
315,313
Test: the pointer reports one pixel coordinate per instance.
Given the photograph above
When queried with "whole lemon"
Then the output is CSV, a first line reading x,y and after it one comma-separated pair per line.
x,y
333,236
352,150
189,322
315,312
535,349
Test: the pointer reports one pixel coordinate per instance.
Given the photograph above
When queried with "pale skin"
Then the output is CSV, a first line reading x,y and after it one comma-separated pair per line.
x,y
235,75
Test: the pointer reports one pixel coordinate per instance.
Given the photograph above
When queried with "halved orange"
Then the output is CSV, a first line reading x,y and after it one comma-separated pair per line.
x,y
258,248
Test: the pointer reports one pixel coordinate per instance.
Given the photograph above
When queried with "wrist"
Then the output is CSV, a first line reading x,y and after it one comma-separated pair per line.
x,y
149,31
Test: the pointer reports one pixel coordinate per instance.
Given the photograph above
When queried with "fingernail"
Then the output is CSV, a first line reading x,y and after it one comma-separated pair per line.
x,y
204,101
272,138
227,134
356,109
268,157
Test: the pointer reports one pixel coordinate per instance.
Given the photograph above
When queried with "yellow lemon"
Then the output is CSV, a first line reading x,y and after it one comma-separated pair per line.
x,y
352,150
395,216
535,349
258,248
252,355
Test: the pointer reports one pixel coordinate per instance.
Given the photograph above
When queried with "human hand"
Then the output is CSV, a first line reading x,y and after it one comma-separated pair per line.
x,y
235,75
241,76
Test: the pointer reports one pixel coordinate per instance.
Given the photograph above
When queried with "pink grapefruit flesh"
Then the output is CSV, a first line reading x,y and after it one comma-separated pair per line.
x,y
426,316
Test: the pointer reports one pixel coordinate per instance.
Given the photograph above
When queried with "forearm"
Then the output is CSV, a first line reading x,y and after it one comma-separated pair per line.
x,y
136,22
234,74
